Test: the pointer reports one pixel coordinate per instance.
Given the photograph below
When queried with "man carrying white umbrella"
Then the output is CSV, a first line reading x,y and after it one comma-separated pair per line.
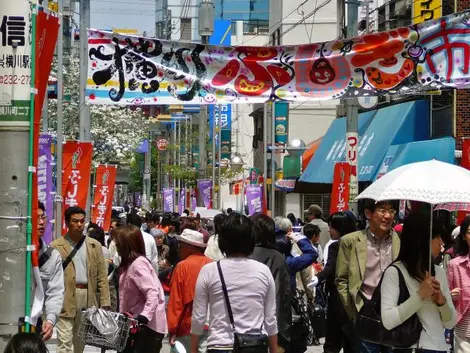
x,y
362,258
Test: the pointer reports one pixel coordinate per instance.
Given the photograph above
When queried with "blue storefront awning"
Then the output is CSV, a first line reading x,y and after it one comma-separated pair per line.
x,y
378,130
440,149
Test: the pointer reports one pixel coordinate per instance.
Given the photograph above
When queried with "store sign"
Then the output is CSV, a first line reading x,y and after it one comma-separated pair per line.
x,y
340,190
426,10
351,158
281,124
287,185
15,60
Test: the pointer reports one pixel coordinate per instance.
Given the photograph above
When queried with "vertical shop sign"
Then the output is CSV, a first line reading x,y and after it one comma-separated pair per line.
x,y
340,191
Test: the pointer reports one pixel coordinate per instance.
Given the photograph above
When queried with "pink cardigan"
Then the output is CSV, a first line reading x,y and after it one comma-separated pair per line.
x,y
140,292
458,275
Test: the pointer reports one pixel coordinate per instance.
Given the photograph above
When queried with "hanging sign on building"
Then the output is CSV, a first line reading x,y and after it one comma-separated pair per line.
x,y
426,10
15,60
340,191
132,70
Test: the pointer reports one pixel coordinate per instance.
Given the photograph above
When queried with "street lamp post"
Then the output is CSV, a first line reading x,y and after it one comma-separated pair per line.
x,y
296,148
236,164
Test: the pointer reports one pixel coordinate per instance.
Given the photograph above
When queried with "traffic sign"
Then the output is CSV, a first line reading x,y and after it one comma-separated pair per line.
x,y
162,144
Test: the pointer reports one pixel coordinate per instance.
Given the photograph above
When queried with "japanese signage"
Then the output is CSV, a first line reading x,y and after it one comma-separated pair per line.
x,y
254,194
15,59
168,200
105,180
76,174
426,10
340,191
403,60
281,124
351,158
44,176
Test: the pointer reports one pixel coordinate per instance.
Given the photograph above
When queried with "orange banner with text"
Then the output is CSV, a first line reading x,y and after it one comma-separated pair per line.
x,y
340,191
103,199
76,175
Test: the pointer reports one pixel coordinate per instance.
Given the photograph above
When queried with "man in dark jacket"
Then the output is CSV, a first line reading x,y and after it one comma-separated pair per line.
x,y
266,252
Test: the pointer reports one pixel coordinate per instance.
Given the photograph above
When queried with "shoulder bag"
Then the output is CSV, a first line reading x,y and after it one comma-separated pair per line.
x,y
69,258
369,325
243,342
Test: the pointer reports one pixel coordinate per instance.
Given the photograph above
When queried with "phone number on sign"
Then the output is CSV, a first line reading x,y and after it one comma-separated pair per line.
x,y
15,79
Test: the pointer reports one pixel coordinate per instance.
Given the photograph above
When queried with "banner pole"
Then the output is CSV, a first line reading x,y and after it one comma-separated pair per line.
x,y
60,137
29,225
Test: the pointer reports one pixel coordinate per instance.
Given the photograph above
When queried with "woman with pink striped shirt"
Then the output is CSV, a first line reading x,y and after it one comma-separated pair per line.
x,y
458,275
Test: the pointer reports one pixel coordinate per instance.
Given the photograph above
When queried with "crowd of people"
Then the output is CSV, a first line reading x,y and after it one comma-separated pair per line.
x,y
273,285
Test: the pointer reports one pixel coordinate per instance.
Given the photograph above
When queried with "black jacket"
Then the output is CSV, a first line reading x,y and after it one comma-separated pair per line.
x,y
276,262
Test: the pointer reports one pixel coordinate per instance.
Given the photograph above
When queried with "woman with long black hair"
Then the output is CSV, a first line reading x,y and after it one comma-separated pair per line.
x,y
338,334
429,297
458,276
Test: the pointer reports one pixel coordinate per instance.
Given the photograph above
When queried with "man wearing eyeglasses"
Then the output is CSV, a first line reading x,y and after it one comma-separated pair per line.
x,y
363,257
52,277
85,278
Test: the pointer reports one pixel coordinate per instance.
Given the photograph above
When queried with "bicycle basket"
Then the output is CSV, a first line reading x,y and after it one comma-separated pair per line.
x,y
91,332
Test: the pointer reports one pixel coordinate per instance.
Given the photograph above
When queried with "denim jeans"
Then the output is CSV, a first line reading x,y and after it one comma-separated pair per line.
x,y
367,347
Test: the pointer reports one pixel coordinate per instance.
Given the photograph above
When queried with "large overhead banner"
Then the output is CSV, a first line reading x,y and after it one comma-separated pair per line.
x,y
125,69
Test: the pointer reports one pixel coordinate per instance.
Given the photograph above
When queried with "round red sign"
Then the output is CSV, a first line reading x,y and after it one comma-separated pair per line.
x,y
162,144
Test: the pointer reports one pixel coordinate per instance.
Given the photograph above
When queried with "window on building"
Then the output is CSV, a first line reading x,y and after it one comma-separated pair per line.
x,y
186,29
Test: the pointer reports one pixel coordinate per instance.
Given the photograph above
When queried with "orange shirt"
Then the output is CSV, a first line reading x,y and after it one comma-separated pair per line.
x,y
182,291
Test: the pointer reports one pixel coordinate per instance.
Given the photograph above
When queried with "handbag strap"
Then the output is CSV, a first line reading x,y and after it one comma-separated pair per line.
x,y
72,254
224,289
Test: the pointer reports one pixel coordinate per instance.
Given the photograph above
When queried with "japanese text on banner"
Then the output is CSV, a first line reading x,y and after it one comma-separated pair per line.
x,y
103,199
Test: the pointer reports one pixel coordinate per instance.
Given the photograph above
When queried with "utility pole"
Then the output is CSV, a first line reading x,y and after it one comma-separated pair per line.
x,y
273,161
352,139
14,139
146,181
206,29
85,123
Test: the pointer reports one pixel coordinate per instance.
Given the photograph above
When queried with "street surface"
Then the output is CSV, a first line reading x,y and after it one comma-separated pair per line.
x,y
166,348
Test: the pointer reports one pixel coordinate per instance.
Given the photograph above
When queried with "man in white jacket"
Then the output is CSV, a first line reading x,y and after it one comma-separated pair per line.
x,y
52,278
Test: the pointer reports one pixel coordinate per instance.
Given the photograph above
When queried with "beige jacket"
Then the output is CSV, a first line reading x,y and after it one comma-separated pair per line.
x,y
97,276
351,266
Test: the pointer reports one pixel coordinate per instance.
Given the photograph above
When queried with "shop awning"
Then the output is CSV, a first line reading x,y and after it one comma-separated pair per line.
x,y
378,130
310,151
440,149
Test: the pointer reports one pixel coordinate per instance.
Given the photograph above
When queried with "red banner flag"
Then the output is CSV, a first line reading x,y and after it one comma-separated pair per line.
x,y
76,175
465,163
340,191
47,29
103,200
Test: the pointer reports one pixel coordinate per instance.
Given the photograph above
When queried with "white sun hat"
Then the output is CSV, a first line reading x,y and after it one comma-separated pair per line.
x,y
192,237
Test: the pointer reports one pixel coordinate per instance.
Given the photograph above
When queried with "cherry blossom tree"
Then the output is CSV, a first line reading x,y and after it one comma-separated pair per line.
x,y
115,131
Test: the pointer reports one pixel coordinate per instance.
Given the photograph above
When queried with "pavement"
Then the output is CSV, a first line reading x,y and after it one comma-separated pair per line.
x,y
52,346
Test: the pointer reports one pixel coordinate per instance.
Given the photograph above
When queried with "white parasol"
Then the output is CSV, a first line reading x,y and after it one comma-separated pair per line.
x,y
433,182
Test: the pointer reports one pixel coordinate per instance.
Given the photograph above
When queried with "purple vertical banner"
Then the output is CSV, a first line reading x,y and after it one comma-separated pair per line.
x,y
137,199
253,198
45,191
182,201
205,188
168,200
193,200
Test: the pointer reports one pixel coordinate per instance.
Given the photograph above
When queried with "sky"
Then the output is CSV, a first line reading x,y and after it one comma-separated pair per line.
x,y
128,14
